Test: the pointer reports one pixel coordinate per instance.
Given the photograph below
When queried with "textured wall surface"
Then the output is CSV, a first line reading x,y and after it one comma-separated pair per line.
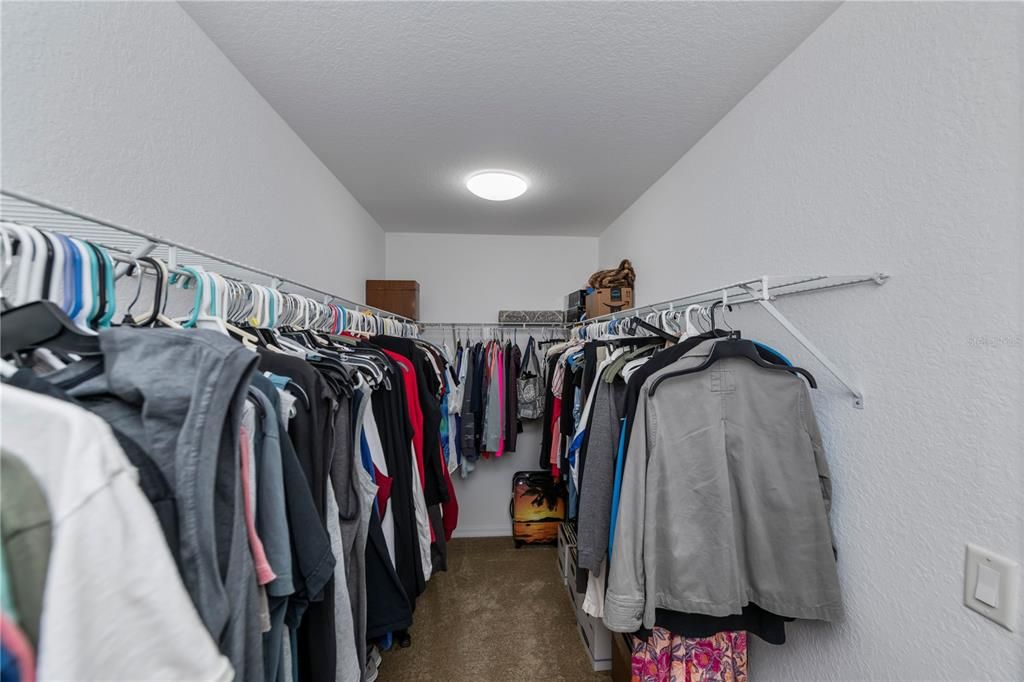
x,y
468,278
127,111
890,140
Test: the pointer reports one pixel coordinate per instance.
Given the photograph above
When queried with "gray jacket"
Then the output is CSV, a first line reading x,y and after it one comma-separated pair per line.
x,y
598,475
725,499
179,394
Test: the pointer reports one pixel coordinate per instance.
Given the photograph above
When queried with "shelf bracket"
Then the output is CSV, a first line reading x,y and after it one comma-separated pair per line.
x,y
858,394
144,249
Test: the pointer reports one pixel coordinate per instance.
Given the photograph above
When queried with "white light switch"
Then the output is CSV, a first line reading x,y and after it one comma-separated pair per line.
x,y
987,589
991,584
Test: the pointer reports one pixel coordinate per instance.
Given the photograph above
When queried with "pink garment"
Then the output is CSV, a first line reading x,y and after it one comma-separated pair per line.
x,y
501,401
556,436
664,657
17,643
264,573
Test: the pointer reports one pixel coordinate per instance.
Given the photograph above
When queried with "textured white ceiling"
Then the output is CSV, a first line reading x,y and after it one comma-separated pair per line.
x,y
591,101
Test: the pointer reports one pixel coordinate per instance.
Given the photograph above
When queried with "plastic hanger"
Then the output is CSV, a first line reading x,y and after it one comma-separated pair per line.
x,y
690,328
26,252
734,348
7,246
55,284
109,286
165,284
72,278
207,317
42,323
39,265
87,301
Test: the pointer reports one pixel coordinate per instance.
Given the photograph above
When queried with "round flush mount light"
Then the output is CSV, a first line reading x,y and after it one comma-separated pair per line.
x,y
496,185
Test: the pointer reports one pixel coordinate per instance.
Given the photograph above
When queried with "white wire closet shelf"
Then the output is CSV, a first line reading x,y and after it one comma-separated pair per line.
x,y
764,291
496,325
765,287
18,208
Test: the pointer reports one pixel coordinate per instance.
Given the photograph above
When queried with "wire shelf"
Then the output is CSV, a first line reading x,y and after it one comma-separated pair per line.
x,y
18,208
763,288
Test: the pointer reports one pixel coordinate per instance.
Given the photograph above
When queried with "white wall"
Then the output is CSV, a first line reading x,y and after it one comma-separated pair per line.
x,y
469,278
890,140
127,111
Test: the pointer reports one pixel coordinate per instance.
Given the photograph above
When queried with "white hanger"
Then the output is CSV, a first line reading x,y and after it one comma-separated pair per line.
x,y
38,266
691,329
210,304
22,288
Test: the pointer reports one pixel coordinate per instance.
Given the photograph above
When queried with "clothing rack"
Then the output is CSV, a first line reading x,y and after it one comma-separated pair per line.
x,y
504,325
763,290
133,244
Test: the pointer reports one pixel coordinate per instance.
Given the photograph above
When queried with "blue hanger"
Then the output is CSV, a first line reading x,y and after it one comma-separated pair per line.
x,y
110,287
198,300
72,269
87,275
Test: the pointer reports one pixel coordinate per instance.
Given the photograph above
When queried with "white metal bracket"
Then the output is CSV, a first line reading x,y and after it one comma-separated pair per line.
x,y
764,299
858,394
144,249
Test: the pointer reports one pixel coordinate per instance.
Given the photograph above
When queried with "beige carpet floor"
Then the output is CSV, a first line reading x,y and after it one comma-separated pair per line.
x,y
499,614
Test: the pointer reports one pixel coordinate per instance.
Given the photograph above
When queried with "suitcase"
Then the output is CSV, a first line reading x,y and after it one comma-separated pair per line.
x,y
537,508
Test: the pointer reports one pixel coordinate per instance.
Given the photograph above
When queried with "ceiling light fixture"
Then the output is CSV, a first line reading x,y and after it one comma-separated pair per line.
x,y
496,185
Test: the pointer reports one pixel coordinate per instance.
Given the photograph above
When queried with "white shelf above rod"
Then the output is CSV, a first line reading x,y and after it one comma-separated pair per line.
x,y
19,208
764,291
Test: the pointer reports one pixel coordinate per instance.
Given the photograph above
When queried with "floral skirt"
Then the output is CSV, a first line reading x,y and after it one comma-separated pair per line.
x,y
664,657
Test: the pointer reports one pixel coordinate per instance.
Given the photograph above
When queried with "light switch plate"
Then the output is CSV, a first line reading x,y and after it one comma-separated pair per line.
x,y
991,578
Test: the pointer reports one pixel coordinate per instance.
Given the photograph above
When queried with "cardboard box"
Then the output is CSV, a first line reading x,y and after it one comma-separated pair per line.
x,y
610,300
399,296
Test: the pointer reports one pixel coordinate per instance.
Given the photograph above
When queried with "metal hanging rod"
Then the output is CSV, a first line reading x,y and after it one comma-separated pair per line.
x,y
19,208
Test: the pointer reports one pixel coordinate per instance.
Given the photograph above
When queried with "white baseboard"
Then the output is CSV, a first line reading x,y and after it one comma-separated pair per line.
x,y
502,531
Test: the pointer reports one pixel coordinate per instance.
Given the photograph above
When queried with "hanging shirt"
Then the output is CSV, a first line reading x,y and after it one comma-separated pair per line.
x,y
109,562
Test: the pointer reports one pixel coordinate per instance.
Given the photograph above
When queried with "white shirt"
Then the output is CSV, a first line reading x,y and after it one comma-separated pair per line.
x,y
114,606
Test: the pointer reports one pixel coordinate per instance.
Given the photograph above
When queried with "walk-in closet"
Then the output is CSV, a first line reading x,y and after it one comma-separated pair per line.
x,y
501,341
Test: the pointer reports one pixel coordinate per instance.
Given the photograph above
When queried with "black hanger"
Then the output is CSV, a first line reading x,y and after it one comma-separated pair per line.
x,y
101,286
628,341
158,292
43,323
734,348
714,305
657,331
48,273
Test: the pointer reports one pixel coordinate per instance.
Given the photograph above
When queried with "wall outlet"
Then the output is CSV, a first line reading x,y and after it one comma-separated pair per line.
x,y
992,586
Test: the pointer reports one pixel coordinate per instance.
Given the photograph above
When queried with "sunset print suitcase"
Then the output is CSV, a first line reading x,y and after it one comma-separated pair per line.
x,y
537,508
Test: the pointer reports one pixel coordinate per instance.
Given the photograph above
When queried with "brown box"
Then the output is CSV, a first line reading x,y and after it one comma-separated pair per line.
x,y
399,296
610,300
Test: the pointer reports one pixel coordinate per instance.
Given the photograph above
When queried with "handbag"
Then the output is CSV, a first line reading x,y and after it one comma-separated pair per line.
x,y
530,385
